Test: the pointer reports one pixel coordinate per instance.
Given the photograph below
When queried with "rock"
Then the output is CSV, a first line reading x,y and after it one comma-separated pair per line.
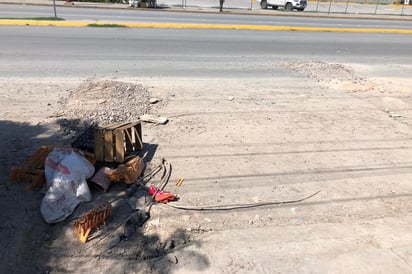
x,y
130,229
231,98
141,216
394,115
154,100
172,258
153,119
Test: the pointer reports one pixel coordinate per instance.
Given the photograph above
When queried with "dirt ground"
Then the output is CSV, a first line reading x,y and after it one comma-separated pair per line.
x,y
341,129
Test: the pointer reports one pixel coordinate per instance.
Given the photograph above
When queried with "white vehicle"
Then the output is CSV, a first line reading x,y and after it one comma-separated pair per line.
x,y
288,5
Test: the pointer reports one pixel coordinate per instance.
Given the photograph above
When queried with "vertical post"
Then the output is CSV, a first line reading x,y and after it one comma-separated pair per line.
x,y
403,6
317,5
54,8
330,4
251,4
376,8
347,3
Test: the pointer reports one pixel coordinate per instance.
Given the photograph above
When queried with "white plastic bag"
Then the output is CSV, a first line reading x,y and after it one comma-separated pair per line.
x,y
66,172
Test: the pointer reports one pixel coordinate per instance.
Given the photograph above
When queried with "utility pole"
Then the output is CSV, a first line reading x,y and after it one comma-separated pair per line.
x,y
54,7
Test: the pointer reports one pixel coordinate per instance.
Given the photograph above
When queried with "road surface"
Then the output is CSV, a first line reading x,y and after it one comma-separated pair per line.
x,y
73,52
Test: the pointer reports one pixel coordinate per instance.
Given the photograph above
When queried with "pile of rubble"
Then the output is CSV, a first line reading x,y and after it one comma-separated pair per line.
x,y
102,102
67,172
325,72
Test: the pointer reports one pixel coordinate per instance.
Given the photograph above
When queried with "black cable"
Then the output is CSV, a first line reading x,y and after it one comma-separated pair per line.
x,y
239,206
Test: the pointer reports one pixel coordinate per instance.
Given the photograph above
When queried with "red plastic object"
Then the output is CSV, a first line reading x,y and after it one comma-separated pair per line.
x,y
161,196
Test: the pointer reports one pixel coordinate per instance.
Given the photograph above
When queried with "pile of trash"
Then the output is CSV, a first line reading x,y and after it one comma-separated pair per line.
x,y
66,174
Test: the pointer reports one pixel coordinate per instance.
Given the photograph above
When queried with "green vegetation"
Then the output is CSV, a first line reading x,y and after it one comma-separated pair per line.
x,y
106,25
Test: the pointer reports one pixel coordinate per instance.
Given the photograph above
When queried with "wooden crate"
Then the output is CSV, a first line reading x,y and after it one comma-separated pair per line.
x,y
113,143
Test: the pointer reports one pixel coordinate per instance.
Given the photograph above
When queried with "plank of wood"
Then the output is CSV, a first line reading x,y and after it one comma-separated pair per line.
x,y
108,146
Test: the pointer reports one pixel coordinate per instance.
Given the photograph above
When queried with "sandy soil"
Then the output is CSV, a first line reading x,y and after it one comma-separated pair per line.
x,y
332,128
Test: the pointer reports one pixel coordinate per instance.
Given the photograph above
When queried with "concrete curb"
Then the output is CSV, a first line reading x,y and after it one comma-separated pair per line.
x,y
7,22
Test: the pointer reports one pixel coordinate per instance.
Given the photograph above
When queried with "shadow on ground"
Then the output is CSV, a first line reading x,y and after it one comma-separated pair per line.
x,y
21,226
29,245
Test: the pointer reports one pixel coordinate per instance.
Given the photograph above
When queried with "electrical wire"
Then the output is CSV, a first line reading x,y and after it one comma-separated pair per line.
x,y
238,206
167,171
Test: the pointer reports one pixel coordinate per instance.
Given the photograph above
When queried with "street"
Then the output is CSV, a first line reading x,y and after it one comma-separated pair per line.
x,y
58,52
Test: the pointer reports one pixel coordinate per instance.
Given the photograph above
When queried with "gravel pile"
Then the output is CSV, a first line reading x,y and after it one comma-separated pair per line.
x,y
102,102
325,72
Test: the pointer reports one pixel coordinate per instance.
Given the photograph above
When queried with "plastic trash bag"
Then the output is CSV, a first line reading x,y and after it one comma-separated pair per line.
x,y
66,172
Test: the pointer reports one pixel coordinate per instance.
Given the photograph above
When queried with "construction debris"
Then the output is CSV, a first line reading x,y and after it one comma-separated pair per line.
x,y
66,172
150,118
154,100
92,220
33,170
179,182
102,102
100,179
115,142
128,172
